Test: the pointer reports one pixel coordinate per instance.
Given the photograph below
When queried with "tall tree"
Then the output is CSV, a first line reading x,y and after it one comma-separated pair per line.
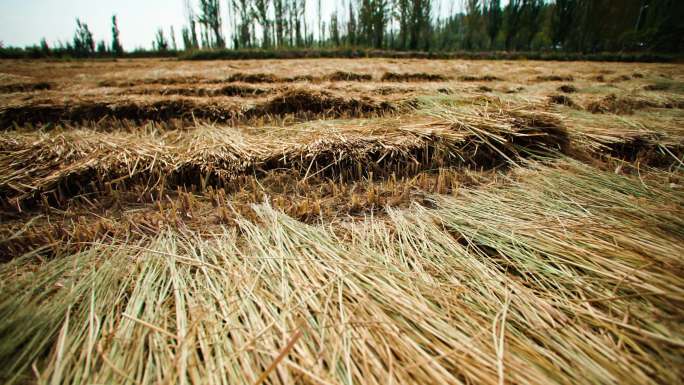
x,y
379,19
280,21
84,45
298,23
474,24
44,47
172,33
210,18
512,19
102,48
662,28
494,19
321,33
160,43
334,30
243,9
261,10
351,25
403,14
189,32
562,21
572,25
419,26
117,49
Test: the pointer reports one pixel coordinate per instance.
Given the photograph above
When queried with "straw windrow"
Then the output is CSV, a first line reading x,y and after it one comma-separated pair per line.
x,y
449,295
301,222
66,163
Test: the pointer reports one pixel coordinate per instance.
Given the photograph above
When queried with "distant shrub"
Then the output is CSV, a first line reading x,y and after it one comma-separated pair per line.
x,y
351,53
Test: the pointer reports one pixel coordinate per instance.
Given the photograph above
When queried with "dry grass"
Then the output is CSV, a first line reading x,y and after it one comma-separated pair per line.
x,y
483,78
562,100
135,212
24,87
567,88
53,112
298,101
62,165
349,76
628,104
413,77
305,101
555,78
227,90
557,279
254,78
308,221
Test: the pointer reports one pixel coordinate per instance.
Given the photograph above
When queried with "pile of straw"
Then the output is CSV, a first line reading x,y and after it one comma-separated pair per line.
x,y
301,102
413,77
566,275
76,162
628,104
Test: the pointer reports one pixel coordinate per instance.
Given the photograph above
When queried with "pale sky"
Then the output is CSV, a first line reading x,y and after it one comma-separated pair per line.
x,y
25,22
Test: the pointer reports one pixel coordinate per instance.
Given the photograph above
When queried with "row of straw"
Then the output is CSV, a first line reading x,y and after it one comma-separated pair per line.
x,y
565,275
77,161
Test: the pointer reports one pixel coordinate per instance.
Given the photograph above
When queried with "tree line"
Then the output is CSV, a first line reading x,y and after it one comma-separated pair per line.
x,y
480,25
586,26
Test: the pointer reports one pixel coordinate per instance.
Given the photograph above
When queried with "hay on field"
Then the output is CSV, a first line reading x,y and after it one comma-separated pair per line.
x,y
348,76
651,139
555,78
25,87
306,101
327,234
67,164
227,90
151,81
662,86
253,78
36,113
498,125
483,78
622,105
535,293
567,88
412,77
393,90
562,100
482,138
621,78
298,101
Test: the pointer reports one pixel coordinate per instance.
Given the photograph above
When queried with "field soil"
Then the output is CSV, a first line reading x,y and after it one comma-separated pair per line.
x,y
338,221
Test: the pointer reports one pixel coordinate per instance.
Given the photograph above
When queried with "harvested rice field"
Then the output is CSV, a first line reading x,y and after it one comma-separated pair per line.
x,y
328,221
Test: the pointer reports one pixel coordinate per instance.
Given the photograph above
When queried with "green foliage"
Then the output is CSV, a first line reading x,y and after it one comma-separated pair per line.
x,y
306,53
160,43
591,27
210,24
102,48
373,17
189,32
117,49
44,48
174,45
84,45
334,30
